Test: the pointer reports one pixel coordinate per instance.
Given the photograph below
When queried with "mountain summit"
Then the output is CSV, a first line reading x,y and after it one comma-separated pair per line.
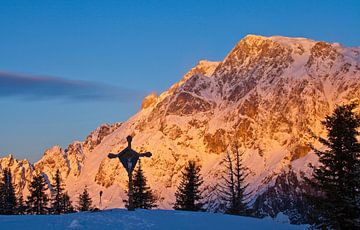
x,y
269,94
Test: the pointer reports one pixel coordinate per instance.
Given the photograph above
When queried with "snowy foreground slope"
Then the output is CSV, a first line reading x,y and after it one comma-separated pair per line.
x,y
143,219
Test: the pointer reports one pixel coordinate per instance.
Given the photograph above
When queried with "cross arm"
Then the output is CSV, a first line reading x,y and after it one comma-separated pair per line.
x,y
112,155
146,154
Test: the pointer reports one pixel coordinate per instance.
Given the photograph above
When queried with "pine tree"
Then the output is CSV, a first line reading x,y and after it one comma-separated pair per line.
x,y
240,188
142,194
38,199
188,194
337,178
57,194
233,190
66,204
7,196
227,190
20,207
84,202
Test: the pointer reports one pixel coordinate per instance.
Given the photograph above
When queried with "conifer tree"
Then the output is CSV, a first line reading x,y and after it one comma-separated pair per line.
x,y
20,205
38,199
188,194
57,194
66,204
227,190
142,194
337,178
233,190
84,202
7,194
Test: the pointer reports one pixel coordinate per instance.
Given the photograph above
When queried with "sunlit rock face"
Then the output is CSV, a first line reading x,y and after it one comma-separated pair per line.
x,y
21,172
269,94
149,101
286,195
95,137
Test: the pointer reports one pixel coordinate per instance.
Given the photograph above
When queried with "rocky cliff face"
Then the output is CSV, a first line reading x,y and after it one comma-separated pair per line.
x,y
269,94
286,196
21,172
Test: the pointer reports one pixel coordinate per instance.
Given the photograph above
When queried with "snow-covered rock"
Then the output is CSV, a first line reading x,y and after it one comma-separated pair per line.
x,y
21,172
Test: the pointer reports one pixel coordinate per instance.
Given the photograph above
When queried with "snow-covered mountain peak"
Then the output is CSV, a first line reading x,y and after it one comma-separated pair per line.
x,y
53,150
206,67
203,68
287,41
283,40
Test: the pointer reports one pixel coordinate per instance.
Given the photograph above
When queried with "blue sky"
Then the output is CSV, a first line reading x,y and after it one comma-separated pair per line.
x,y
68,66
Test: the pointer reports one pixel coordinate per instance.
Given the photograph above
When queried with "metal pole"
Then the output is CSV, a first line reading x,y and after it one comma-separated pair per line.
x,y
101,192
131,202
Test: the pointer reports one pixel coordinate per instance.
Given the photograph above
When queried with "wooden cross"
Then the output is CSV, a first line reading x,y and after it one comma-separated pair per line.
x,y
129,157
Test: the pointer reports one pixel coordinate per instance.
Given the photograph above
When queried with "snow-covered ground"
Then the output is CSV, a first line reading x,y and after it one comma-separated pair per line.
x,y
143,219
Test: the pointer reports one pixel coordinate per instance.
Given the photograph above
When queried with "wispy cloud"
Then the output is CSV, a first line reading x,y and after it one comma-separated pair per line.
x,y
32,87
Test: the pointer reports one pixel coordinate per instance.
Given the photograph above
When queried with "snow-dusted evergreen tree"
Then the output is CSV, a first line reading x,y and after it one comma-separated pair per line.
x,y
337,178
7,194
85,201
57,194
142,194
188,194
38,199
233,190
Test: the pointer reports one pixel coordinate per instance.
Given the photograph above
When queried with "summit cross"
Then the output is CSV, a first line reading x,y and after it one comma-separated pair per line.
x,y
129,157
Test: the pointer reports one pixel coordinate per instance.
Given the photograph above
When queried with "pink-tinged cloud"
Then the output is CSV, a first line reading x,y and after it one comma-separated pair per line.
x,y
30,87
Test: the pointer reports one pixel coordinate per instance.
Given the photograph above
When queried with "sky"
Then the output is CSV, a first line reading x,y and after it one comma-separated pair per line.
x,y
68,66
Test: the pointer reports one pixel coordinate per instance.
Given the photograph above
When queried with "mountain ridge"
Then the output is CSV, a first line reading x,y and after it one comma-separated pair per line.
x,y
269,94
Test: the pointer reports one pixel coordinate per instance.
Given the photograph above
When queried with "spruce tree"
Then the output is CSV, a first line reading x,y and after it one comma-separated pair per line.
x,y
7,196
84,202
142,194
240,188
38,199
227,190
337,179
66,204
57,194
233,190
20,205
188,194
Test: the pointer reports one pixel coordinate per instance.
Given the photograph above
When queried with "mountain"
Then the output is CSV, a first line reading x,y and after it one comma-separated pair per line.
x,y
269,94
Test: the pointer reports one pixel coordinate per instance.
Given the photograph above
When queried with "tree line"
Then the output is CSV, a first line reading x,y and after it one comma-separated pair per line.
x,y
188,195
38,201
